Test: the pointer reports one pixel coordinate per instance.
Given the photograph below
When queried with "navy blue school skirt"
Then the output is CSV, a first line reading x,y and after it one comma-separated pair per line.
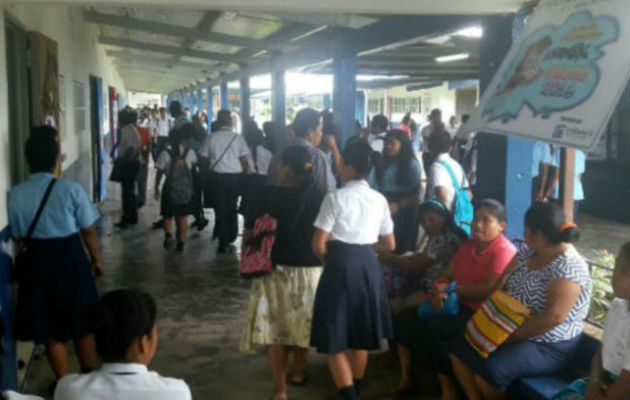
x,y
351,310
516,360
54,291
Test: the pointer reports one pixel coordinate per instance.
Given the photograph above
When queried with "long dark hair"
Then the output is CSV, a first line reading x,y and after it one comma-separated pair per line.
x,y
437,207
298,160
402,161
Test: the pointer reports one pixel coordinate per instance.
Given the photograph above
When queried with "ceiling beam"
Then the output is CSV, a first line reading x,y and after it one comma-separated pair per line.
x,y
177,51
160,70
386,32
166,62
416,64
179,31
337,19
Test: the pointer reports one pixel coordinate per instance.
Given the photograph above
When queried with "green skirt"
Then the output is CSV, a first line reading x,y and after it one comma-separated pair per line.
x,y
281,308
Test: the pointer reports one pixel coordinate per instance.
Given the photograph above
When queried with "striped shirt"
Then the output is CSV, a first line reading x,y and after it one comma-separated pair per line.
x,y
531,286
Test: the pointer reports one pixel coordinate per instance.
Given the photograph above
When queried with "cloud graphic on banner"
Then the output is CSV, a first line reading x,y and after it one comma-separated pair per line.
x,y
555,68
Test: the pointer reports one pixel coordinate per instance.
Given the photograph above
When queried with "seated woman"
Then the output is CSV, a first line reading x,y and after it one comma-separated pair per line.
x,y
418,271
610,370
126,340
552,280
477,268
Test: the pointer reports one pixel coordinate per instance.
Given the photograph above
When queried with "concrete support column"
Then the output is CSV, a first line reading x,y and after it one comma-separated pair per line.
x,y
360,107
327,101
504,163
199,100
210,105
225,105
344,93
278,101
246,108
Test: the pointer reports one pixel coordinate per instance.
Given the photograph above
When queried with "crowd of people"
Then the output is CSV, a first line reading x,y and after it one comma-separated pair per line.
x,y
375,241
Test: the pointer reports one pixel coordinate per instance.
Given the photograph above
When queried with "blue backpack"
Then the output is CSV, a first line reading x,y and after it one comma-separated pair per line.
x,y
463,211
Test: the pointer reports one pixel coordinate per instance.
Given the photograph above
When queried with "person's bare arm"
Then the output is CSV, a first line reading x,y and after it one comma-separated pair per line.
x,y
478,292
320,239
247,237
554,181
331,141
561,296
544,172
441,194
386,243
90,238
244,163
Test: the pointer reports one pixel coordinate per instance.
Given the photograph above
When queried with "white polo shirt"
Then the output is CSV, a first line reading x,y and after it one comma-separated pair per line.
x,y
263,160
355,214
616,341
163,127
217,144
439,176
377,142
121,382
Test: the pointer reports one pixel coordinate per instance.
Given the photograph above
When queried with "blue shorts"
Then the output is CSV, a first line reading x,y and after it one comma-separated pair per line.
x,y
516,360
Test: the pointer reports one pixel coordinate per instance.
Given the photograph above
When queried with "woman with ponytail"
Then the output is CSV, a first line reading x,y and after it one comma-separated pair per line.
x,y
126,335
552,280
281,304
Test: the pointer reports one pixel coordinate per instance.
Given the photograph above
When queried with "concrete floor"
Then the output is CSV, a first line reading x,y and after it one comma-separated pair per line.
x,y
201,304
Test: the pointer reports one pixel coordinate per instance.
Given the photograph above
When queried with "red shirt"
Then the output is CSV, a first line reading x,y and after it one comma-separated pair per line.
x,y
145,137
471,267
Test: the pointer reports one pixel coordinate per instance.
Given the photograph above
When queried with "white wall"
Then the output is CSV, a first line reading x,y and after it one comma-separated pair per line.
x,y
79,57
439,97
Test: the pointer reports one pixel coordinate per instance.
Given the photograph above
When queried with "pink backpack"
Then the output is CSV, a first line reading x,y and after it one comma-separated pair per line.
x,y
256,260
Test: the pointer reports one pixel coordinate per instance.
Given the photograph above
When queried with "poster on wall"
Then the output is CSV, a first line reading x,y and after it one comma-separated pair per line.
x,y
561,82
46,78
113,118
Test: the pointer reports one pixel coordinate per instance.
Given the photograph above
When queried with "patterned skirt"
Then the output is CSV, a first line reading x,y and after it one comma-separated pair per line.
x,y
280,308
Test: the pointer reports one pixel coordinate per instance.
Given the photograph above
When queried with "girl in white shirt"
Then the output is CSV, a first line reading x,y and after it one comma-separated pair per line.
x,y
351,313
610,369
126,339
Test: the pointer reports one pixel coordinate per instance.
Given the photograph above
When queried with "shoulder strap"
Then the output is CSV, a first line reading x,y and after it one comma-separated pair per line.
x,y
223,154
38,214
452,174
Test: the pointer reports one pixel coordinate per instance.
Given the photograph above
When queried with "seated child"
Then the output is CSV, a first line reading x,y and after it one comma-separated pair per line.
x,y
126,340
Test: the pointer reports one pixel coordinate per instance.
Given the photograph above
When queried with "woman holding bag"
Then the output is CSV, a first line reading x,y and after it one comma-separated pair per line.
x,y
552,280
281,303
476,267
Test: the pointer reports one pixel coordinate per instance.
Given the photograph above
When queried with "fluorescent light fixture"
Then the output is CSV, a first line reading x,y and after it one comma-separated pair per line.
x,y
475,32
369,78
309,33
453,57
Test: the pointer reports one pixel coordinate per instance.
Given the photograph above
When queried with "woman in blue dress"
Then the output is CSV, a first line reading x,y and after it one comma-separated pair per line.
x,y
55,276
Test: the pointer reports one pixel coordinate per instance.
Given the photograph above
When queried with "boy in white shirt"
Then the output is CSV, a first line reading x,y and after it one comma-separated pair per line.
x,y
126,340
610,369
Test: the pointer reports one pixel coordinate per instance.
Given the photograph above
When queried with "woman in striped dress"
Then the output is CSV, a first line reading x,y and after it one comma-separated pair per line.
x,y
550,278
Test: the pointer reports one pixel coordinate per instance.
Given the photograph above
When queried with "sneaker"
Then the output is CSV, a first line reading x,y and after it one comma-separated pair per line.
x,y
202,224
180,246
168,241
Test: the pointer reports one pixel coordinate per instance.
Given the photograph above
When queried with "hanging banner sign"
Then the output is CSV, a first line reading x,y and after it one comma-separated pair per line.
x,y
563,79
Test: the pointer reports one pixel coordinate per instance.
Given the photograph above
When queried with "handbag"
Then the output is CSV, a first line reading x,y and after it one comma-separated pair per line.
x,y
211,178
117,171
499,316
451,304
256,259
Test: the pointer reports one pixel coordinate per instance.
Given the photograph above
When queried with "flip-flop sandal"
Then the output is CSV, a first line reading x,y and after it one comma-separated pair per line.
x,y
301,382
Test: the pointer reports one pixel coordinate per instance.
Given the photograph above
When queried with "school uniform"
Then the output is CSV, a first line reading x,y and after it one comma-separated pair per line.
x,y
124,381
439,176
377,142
542,156
129,156
578,188
164,164
351,311
616,340
258,160
162,128
58,284
224,149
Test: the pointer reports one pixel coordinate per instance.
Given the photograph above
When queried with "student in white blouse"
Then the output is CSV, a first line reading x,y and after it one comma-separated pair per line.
x,y
126,340
351,314
610,370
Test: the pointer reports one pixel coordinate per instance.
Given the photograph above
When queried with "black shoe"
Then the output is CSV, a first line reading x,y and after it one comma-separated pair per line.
x,y
168,241
121,225
222,250
202,224
133,221
158,224
180,247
